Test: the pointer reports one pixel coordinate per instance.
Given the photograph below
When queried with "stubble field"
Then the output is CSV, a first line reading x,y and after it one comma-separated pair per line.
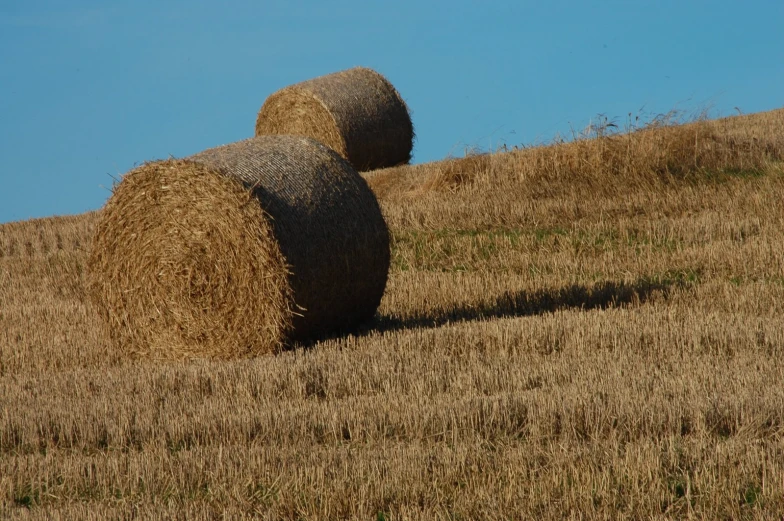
x,y
588,330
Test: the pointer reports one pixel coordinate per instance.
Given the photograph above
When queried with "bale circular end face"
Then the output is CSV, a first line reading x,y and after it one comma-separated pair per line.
x,y
238,250
356,112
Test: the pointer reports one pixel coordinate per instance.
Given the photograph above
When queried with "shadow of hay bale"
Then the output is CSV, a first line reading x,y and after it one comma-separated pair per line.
x,y
522,303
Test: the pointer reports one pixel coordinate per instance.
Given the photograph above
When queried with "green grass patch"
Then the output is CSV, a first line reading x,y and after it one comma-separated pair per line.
x,y
503,249
452,249
751,495
677,277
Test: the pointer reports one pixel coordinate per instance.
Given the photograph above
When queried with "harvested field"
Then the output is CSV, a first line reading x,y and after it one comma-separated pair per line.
x,y
568,332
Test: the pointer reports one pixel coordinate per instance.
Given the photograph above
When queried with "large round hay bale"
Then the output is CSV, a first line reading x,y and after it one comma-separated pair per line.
x,y
356,112
238,250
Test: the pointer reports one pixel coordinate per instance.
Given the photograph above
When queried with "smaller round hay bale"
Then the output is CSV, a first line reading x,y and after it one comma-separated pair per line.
x,y
238,251
356,112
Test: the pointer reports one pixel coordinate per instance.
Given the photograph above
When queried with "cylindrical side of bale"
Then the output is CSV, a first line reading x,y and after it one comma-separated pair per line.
x,y
356,112
238,251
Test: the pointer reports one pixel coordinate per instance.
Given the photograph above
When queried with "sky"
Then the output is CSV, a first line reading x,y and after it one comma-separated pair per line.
x,y
91,88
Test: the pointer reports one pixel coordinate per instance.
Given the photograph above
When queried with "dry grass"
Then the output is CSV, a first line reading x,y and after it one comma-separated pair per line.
x,y
654,155
558,342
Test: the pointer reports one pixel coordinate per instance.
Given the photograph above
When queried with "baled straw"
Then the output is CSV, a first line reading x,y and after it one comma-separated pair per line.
x,y
356,112
238,251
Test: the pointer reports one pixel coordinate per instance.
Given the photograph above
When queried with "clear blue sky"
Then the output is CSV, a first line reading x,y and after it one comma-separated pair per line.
x,y
90,88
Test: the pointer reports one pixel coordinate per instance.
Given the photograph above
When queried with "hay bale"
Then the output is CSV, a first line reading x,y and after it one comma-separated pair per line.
x,y
238,251
356,112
